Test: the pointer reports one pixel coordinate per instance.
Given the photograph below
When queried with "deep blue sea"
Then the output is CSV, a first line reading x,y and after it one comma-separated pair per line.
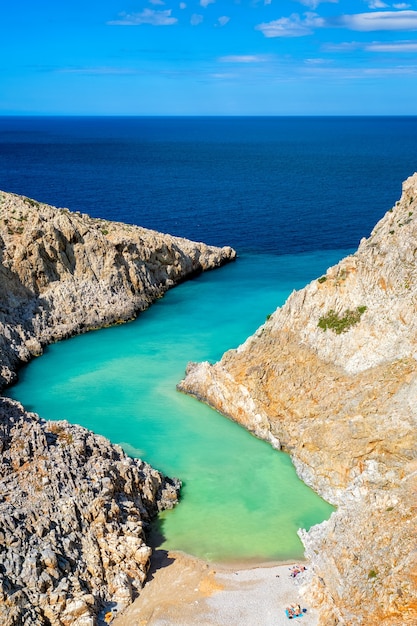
x,y
293,196
260,184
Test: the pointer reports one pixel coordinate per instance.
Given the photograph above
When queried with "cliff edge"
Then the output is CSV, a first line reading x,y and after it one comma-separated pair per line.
x,y
74,512
63,273
331,378
73,507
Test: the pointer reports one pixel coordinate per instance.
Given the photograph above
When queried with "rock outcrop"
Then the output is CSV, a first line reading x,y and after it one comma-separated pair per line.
x,y
63,273
331,378
74,510
73,507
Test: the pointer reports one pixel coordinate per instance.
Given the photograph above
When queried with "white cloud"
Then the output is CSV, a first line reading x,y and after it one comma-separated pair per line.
x,y
316,62
381,20
313,4
293,26
148,16
345,46
300,26
376,46
377,4
387,71
401,5
196,19
156,2
399,46
223,75
205,3
340,74
243,58
223,20
183,5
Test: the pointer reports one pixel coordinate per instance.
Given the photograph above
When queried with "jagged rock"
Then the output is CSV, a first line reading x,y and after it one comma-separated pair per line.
x,y
63,273
73,507
331,377
76,542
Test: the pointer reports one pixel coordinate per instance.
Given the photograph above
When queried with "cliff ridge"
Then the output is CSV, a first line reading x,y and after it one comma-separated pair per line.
x,y
331,378
74,508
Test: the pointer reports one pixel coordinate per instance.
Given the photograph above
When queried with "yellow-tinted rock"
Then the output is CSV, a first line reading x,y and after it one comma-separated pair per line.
x,y
332,376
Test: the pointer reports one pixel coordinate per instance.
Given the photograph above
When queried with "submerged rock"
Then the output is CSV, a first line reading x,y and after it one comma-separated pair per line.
x,y
331,377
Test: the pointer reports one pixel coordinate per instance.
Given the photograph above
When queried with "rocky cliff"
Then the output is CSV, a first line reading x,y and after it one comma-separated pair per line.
x,y
73,507
331,378
62,273
74,510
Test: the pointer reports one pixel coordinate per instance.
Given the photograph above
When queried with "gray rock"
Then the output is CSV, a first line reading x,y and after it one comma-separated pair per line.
x,y
74,508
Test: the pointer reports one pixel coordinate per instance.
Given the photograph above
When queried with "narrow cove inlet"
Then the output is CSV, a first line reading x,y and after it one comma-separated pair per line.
x,y
240,500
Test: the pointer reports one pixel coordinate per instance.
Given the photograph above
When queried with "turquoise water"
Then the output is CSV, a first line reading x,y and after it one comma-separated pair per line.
x,y
240,499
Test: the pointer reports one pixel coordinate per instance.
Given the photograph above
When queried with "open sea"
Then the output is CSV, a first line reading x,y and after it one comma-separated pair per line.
x,y
292,196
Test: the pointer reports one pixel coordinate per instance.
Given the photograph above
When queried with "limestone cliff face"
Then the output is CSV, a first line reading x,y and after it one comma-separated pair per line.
x,y
332,378
73,511
73,507
62,273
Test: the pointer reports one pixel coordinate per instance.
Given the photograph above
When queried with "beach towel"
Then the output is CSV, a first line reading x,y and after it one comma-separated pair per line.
x,y
292,616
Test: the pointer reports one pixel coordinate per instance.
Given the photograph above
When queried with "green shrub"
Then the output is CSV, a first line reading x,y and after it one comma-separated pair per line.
x,y
340,323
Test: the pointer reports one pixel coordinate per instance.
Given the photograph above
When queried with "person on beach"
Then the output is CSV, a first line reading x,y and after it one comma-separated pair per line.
x,y
294,611
297,569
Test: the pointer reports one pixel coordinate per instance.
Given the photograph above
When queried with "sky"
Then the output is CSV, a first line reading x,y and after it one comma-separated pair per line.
x,y
208,57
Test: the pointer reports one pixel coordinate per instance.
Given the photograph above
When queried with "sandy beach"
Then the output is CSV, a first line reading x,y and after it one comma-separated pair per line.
x,y
185,591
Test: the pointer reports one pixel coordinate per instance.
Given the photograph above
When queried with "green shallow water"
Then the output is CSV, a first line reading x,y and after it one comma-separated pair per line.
x,y
240,498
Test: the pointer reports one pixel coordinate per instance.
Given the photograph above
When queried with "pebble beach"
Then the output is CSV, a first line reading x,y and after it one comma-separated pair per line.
x,y
184,591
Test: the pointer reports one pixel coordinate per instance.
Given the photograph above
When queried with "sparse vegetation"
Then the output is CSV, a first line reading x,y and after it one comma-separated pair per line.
x,y
62,433
340,323
322,279
31,202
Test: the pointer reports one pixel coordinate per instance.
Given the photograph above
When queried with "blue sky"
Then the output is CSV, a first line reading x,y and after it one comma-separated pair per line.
x,y
208,57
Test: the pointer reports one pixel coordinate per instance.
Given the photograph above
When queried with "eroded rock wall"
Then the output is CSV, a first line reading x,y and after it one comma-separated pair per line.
x,y
73,507
331,378
62,273
74,510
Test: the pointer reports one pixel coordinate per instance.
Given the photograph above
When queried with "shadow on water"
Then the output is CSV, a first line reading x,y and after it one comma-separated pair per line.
x,y
155,538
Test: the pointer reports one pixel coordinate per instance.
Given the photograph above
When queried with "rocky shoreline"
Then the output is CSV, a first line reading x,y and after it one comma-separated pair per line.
x,y
74,510
63,273
73,507
331,378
